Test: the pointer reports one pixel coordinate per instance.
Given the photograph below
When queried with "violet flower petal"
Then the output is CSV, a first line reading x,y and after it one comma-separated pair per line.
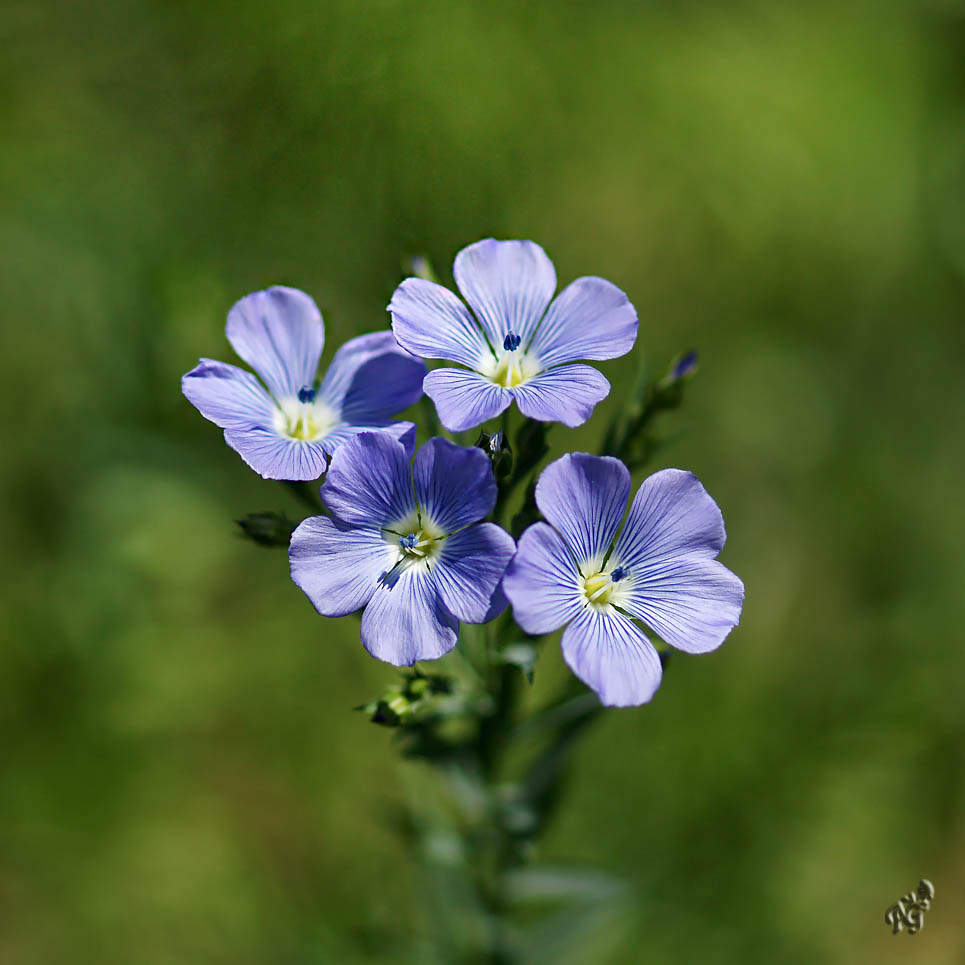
x,y
465,399
406,620
590,319
470,568
431,322
612,657
404,432
227,395
371,379
508,285
541,581
584,497
368,481
454,486
691,602
567,394
671,515
273,456
279,333
337,567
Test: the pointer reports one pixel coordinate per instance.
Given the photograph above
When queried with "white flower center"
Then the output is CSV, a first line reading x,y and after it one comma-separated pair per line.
x,y
602,588
306,421
413,542
511,366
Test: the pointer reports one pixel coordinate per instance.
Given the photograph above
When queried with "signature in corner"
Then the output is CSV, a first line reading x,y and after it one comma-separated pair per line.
x,y
909,911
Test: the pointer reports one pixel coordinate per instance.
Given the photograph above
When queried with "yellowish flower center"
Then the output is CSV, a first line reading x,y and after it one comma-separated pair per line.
x,y
305,421
413,542
510,368
599,589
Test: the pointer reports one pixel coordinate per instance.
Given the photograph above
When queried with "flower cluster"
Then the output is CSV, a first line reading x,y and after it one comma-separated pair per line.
x,y
407,536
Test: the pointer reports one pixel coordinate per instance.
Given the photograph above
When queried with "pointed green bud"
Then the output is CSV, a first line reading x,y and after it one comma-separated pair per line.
x,y
267,529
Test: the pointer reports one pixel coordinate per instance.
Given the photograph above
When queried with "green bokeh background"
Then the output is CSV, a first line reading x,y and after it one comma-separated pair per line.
x,y
779,185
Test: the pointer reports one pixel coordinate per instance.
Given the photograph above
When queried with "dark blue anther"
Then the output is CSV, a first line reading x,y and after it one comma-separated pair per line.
x,y
511,342
408,542
618,574
306,394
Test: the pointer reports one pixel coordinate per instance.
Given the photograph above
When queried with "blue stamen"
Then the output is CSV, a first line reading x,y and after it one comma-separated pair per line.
x,y
511,342
408,542
306,394
618,574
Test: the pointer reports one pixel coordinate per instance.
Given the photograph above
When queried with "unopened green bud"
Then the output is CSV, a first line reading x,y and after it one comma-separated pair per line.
x,y
398,704
418,688
267,529
382,714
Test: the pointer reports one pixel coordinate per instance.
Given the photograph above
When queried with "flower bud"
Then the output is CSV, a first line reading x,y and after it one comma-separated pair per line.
x,y
421,267
399,702
496,446
267,529
686,365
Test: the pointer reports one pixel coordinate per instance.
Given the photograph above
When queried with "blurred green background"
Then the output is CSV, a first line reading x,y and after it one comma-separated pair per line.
x,y
779,185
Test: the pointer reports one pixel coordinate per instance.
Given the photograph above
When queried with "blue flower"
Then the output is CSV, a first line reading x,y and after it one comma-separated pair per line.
x,y
405,543
661,569
287,431
517,344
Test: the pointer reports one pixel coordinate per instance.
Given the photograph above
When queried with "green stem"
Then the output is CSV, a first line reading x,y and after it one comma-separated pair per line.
x,y
529,448
430,418
307,494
